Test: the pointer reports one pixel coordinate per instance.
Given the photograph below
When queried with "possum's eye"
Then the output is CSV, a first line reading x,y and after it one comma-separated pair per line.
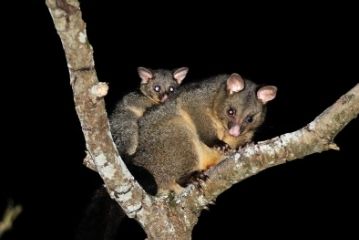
x,y
157,88
171,89
231,112
249,119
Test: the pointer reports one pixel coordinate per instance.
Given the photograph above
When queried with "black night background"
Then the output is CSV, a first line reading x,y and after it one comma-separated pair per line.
x,y
310,53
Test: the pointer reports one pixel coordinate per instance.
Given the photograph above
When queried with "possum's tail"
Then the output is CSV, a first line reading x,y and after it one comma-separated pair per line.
x,y
102,218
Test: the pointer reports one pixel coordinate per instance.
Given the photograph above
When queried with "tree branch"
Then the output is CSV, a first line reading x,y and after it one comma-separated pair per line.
x,y
167,218
10,215
316,137
90,107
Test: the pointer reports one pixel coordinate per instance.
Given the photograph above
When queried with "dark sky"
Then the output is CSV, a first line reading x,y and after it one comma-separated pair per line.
x,y
310,53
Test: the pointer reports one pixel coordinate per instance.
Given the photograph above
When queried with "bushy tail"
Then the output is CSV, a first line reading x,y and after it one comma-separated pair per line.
x,y
102,218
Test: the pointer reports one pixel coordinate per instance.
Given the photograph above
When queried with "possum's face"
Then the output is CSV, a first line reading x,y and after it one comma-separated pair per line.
x,y
159,85
242,113
242,109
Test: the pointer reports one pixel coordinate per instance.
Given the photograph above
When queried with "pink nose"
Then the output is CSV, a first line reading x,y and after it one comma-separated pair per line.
x,y
235,131
164,98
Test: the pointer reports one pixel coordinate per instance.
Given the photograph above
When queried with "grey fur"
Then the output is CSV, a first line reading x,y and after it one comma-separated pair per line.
x,y
167,143
124,119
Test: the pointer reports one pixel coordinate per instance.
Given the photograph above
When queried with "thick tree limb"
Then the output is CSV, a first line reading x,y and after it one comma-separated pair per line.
x,y
174,218
90,106
316,137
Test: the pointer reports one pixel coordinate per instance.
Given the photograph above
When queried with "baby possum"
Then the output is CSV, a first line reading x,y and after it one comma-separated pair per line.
x,y
156,87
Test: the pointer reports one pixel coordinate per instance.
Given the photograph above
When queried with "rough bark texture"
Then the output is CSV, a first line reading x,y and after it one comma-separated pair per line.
x,y
90,107
316,137
174,217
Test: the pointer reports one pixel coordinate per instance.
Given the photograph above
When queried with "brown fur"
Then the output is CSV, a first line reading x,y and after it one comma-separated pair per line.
x,y
124,119
176,138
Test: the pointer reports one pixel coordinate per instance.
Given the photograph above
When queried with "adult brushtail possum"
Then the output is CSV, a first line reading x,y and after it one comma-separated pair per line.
x,y
176,138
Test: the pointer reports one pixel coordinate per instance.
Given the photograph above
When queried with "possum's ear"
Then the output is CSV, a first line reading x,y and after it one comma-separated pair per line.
x,y
235,83
266,93
145,74
179,74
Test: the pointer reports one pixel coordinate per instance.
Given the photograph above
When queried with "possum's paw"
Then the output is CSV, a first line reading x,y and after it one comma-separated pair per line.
x,y
224,149
195,177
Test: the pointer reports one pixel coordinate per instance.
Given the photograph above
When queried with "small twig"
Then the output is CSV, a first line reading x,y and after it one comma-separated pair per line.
x,y
10,215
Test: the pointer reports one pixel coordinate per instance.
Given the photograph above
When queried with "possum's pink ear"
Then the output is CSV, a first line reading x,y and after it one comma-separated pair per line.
x,y
145,74
179,74
235,83
266,93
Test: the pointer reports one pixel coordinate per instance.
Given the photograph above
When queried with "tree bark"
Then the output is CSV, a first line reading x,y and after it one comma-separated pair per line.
x,y
169,217
316,137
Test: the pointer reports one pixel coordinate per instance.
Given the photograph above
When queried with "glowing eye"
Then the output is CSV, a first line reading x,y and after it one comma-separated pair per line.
x,y
157,88
249,119
231,112
171,89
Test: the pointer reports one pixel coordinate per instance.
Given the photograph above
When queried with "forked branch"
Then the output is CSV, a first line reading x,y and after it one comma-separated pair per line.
x,y
165,218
